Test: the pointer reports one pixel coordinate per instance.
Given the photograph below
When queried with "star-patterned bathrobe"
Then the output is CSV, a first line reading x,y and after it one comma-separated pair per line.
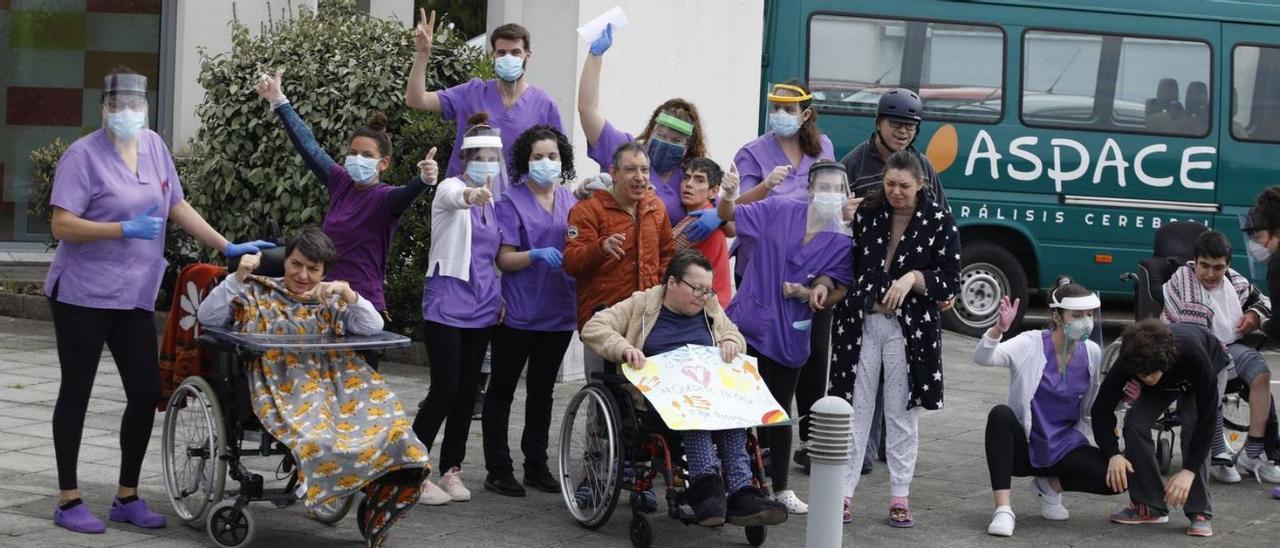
x,y
931,245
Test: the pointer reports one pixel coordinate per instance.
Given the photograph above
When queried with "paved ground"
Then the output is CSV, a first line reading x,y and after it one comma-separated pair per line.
x,y
951,494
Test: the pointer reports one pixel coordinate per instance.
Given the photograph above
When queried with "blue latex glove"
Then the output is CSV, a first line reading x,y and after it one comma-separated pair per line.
x,y
143,227
549,255
602,43
234,250
708,221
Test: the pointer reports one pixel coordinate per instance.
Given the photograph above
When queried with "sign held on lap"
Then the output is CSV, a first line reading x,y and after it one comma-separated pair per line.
x,y
693,389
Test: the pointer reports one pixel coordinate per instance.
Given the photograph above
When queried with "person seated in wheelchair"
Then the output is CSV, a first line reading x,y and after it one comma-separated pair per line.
x,y
344,426
683,310
1207,293
1043,431
1169,362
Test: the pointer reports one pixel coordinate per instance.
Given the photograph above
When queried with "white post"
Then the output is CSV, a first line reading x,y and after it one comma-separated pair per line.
x,y
830,437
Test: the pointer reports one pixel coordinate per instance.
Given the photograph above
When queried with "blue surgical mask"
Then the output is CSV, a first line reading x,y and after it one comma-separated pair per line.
x,y
783,123
126,123
509,67
664,155
544,172
1079,330
478,173
361,169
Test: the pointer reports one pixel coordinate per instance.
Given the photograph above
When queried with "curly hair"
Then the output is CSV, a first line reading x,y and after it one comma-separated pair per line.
x,y
1147,347
523,149
684,110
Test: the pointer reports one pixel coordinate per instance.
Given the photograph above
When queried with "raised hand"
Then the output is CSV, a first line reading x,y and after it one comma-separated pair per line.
x,y
271,88
428,169
850,208
601,44
425,32
729,183
1008,312
248,263
776,177
479,197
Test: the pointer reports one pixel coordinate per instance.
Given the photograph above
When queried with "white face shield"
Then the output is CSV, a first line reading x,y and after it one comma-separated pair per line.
x,y
484,161
1093,327
828,192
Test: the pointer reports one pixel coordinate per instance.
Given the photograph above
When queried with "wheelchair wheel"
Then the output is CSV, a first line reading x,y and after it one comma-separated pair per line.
x,y
1164,452
756,534
591,456
231,525
191,449
641,530
333,510
1109,356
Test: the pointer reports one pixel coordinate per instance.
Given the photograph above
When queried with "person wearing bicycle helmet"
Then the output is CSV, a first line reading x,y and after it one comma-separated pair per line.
x,y
898,117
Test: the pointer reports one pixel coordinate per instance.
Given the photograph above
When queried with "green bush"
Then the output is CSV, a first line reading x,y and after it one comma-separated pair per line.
x,y
44,161
338,67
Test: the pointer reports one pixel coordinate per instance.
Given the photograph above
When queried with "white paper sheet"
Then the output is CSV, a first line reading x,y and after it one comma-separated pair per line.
x,y
595,27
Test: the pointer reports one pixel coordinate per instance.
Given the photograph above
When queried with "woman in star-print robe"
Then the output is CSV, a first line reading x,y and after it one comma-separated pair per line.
x,y
906,257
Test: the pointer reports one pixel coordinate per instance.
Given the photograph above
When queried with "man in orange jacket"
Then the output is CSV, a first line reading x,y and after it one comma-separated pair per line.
x,y
618,241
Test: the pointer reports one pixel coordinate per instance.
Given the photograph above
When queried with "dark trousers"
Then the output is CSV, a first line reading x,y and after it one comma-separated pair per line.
x,y
131,336
781,381
1084,469
455,355
512,348
1145,484
812,385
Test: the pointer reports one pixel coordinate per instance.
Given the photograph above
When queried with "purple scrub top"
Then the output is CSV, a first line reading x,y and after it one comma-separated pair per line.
x,y
93,182
361,225
533,107
475,303
1055,407
539,297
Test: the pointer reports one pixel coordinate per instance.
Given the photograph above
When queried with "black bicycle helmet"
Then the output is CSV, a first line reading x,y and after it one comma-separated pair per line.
x,y
900,103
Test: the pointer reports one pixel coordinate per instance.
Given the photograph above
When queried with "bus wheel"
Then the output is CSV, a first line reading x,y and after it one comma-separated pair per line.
x,y
987,274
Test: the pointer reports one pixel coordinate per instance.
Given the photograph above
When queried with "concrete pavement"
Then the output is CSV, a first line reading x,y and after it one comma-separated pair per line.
x,y
951,493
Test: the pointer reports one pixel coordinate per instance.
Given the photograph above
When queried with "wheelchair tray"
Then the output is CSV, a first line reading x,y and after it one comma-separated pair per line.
x,y
260,342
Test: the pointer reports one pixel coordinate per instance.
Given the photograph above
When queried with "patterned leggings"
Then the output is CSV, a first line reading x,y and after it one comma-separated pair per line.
x,y
732,446
884,350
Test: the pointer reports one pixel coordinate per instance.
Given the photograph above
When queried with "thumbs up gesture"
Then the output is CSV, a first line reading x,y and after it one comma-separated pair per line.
x,y
428,169
729,184
272,88
143,227
479,197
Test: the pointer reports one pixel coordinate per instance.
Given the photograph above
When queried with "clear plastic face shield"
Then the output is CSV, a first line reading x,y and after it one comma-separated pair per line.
x,y
668,142
1080,317
786,110
828,193
124,104
1256,238
485,163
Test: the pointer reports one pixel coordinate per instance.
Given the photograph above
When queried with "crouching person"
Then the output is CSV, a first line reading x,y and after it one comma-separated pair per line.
x,y
683,310
346,430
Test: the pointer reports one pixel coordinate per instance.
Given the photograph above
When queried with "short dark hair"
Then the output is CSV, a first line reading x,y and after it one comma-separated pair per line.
x,y
1211,245
1147,347
510,31
906,160
313,244
682,260
708,167
1267,210
629,147
1065,287
523,148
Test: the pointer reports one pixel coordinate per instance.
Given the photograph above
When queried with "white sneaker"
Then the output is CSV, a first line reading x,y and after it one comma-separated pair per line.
x,y
793,503
433,495
1259,466
1225,473
1050,501
451,483
1002,522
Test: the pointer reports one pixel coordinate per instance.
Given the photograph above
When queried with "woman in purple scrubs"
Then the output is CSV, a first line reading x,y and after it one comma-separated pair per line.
x,y
802,255
113,193
673,136
541,307
1043,431
363,211
461,303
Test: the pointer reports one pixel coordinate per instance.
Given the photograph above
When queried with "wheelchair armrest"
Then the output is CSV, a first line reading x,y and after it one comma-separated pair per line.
x,y
213,343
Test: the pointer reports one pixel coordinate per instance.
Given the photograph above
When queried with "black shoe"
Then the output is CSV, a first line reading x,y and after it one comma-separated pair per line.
x,y
540,478
867,465
801,457
748,506
706,496
504,484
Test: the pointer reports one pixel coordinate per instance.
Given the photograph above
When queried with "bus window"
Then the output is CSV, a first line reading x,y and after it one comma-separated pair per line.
x,y
957,69
1255,84
1160,85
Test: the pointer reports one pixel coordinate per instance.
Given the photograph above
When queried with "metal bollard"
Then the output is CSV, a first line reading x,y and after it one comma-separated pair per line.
x,y
830,437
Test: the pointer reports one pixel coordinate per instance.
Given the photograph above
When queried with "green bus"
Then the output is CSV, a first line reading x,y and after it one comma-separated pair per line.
x,y
1065,132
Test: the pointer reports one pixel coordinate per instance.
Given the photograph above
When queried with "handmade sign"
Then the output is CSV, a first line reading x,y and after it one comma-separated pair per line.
x,y
693,389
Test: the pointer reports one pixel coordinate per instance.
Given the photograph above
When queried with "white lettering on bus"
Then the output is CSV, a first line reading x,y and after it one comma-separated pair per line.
x,y
1044,216
1068,169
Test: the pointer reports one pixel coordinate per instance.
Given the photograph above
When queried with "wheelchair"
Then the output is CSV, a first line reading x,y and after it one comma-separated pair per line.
x,y
1173,249
607,445
210,427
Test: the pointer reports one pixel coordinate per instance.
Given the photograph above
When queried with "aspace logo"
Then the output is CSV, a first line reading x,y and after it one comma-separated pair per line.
x,y
1068,160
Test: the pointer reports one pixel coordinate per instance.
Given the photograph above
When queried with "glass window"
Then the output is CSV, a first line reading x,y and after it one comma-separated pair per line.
x,y
1255,84
1160,86
53,56
956,68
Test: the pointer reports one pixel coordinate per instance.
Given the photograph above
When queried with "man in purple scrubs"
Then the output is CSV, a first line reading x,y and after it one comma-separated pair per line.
x,y
513,105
